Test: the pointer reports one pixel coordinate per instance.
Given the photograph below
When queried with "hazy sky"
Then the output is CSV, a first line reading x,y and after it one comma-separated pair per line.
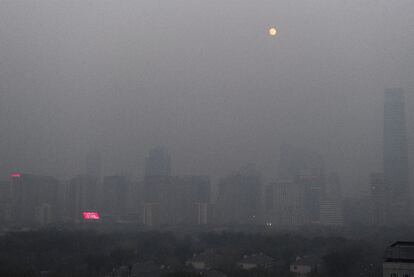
x,y
202,78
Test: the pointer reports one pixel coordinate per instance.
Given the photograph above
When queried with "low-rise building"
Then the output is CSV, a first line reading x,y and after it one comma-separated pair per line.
x,y
304,266
399,260
206,260
254,261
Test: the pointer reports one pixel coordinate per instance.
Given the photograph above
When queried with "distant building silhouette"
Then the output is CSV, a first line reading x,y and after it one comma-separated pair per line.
x,y
312,183
157,178
115,195
35,199
158,163
5,202
240,198
396,176
303,169
81,196
285,203
180,200
331,211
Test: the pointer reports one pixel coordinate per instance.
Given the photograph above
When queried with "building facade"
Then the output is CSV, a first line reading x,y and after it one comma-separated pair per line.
x,y
399,260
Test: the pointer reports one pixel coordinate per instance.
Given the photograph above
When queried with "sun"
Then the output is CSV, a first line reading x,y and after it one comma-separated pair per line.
x,y
273,31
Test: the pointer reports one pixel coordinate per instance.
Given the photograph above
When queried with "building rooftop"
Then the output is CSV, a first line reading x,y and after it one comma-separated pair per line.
x,y
307,260
258,259
400,252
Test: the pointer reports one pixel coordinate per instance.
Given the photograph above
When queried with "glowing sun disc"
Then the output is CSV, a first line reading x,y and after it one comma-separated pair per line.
x,y
272,31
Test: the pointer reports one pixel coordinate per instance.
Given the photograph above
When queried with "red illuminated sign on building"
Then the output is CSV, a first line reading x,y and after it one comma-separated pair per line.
x,y
91,216
16,175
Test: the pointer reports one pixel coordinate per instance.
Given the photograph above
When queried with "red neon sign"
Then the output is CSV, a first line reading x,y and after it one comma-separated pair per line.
x,y
91,216
16,175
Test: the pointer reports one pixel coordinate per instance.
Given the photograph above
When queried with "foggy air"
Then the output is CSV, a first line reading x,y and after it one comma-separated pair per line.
x,y
206,138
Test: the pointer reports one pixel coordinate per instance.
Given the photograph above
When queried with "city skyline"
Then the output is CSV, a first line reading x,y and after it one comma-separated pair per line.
x,y
207,138
115,78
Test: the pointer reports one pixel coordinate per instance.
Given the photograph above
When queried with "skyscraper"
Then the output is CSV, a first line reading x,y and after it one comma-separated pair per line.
x,y
157,176
395,156
158,163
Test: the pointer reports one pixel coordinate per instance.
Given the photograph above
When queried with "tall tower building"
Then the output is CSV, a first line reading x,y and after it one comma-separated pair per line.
x,y
158,163
157,179
395,157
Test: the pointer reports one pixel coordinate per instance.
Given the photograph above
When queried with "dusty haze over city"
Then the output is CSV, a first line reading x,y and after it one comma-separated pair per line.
x,y
202,78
